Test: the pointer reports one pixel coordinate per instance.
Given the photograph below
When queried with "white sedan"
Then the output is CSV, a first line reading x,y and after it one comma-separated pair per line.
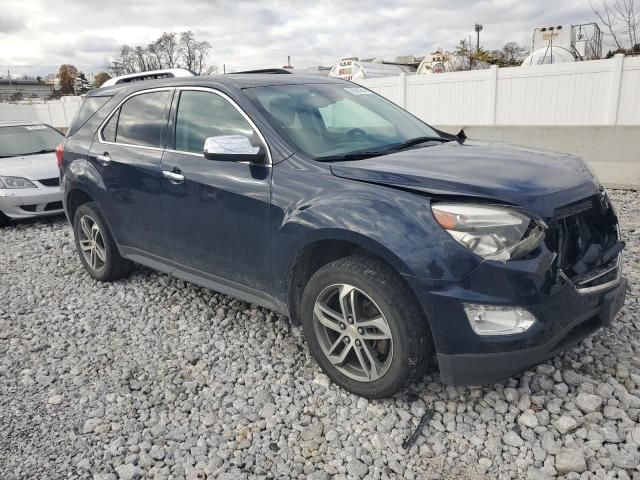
x,y
29,176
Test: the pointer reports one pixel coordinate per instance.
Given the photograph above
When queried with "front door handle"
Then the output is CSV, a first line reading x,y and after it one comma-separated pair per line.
x,y
104,158
173,177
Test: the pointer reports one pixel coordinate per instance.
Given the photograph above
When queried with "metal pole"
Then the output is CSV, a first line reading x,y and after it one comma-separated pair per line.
x,y
478,29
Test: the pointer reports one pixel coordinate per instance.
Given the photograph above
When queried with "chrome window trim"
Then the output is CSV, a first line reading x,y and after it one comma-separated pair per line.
x,y
106,120
240,110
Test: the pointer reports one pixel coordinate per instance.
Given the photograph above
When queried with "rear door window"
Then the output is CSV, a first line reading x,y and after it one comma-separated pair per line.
x,y
139,120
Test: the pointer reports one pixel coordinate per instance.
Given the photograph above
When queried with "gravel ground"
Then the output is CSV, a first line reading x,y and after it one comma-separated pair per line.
x,y
151,377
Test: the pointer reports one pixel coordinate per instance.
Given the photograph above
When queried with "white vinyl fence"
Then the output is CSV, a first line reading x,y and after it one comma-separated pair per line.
x,y
57,113
599,92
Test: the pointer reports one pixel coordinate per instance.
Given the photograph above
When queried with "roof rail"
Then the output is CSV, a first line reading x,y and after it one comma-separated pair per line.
x,y
150,75
264,70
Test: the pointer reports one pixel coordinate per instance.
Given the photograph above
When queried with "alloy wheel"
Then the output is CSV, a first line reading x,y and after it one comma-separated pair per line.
x,y
353,333
92,243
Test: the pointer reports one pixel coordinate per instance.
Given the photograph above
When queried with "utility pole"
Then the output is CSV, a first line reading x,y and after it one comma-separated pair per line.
x,y
478,29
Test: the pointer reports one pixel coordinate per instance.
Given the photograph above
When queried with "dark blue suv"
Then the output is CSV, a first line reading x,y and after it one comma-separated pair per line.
x,y
392,243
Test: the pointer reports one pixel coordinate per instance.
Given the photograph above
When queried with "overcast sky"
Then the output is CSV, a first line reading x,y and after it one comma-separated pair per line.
x,y
38,35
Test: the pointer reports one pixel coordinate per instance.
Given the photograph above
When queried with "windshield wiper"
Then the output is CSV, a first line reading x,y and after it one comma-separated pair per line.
x,y
416,141
376,153
350,156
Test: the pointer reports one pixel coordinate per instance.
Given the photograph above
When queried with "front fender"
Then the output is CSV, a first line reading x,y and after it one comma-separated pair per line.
x,y
394,224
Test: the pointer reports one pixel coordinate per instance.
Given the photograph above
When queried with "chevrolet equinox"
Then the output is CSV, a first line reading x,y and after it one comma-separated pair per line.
x,y
391,243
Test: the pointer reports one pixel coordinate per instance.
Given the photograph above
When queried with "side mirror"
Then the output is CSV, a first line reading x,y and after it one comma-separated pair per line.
x,y
232,148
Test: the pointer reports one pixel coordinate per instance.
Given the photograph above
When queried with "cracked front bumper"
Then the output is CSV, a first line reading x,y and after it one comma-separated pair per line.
x,y
565,315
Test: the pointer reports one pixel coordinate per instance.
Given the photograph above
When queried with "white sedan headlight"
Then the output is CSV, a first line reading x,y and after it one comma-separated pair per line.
x,y
494,233
15,182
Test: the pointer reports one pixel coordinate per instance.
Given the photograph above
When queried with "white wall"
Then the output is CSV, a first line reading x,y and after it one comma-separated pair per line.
x,y
57,113
599,92
589,109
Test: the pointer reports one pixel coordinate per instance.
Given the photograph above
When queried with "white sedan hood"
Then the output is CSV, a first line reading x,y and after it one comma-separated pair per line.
x,y
32,167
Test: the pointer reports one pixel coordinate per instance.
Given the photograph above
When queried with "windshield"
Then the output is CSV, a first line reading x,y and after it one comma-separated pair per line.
x,y
328,121
28,140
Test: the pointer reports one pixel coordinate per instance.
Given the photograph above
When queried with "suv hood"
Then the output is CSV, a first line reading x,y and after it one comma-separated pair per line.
x,y
536,180
32,167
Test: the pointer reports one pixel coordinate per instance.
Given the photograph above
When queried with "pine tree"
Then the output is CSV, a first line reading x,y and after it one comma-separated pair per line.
x,y
81,85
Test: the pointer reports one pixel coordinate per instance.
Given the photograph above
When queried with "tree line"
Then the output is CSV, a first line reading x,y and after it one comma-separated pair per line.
x,y
73,82
170,50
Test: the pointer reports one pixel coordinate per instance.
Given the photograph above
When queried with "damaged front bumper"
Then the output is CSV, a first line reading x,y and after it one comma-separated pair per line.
x,y
565,314
572,286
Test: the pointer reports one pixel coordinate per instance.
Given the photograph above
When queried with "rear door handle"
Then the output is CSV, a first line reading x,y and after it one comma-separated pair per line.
x,y
104,158
173,177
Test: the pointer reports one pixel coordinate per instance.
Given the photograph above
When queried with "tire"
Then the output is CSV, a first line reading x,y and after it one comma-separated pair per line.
x,y
108,265
4,220
402,346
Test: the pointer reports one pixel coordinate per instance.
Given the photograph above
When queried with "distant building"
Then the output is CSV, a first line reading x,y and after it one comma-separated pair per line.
x,y
12,90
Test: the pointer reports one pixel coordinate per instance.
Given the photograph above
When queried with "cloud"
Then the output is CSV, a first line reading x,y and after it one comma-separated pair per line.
x,y
10,23
97,44
248,34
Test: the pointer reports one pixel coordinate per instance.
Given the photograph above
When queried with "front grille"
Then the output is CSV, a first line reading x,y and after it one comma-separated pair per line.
x,y
585,237
53,206
50,182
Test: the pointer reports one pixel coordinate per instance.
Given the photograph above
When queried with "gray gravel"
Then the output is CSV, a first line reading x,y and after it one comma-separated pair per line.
x,y
151,377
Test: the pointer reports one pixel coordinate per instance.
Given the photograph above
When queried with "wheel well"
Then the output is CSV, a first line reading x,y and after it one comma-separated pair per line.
x,y
76,198
310,260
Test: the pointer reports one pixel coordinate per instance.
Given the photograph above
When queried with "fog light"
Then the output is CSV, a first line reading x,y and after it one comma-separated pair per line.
x,y
498,320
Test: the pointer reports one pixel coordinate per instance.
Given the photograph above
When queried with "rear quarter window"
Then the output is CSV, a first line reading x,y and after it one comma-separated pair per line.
x,y
89,107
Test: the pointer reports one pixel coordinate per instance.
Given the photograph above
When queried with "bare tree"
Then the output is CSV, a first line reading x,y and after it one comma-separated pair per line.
x,y
511,54
168,51
621,19
188,46
141,55
155,60
169,48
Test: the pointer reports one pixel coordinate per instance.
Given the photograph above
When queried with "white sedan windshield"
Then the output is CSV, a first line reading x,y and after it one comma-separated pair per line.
x,y
28,140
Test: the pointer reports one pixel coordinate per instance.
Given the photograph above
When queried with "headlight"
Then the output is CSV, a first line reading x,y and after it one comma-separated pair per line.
x,y
15,182
494,233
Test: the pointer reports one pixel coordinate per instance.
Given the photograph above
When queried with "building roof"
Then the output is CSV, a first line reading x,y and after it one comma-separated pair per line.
x,y
20,81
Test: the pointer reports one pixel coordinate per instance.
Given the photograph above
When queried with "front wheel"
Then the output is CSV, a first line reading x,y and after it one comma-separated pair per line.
x,y
364,327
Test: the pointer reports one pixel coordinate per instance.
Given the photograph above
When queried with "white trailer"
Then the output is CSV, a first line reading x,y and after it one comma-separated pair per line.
x,y
354,69
564,43
442,62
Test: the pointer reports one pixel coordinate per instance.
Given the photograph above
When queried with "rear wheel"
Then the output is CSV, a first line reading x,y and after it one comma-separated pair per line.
x,y
97,250
364,327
